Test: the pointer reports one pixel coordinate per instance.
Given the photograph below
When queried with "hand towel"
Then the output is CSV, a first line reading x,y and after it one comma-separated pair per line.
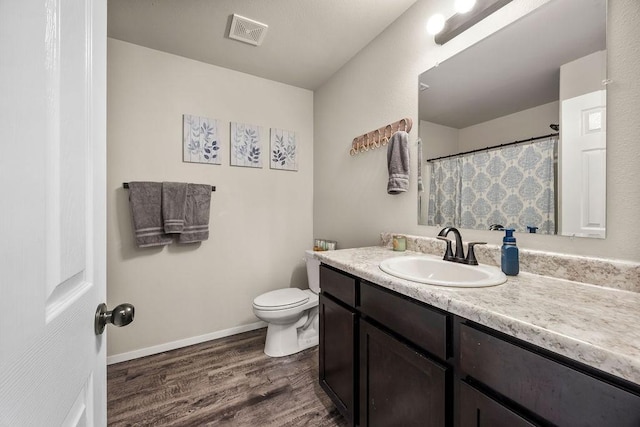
x,y
398,163
196,218
420,166
174,202
145,199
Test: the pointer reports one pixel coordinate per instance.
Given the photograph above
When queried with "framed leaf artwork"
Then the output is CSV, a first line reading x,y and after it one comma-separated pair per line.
x,y
200,140
246,145
283,153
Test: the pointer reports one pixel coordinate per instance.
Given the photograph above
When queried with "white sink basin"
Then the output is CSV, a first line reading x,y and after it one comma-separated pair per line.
x,y
438,272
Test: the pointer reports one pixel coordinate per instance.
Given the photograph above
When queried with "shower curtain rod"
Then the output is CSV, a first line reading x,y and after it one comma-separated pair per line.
x,y
494,147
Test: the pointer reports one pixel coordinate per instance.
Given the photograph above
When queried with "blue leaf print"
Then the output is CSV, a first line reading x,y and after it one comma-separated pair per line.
x,y
206,131
194,146
210,150
278,157
290,152
254,155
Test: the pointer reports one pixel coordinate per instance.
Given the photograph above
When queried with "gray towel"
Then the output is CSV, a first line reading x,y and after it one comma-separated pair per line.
x,y
398,163
174,198
145,199
420,166
196,218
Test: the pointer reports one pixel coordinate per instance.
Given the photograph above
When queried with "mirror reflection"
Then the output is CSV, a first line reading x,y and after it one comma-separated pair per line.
x,y
513,128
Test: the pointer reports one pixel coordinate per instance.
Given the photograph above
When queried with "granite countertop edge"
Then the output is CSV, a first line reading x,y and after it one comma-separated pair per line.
x,y
590,324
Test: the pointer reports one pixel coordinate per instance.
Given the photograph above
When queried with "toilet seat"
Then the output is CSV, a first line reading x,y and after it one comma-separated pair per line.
x,y
281,299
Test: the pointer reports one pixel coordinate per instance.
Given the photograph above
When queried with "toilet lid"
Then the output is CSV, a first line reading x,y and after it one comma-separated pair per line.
x,y
281,299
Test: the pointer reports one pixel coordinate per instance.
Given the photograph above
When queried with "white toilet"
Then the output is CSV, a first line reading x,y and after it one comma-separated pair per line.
x,y
292,314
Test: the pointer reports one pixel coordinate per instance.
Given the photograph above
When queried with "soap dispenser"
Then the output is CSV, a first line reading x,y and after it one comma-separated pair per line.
x,y
509,254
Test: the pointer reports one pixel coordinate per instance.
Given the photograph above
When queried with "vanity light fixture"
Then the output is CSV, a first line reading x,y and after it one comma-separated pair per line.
x,y
464,6
469,13
435,24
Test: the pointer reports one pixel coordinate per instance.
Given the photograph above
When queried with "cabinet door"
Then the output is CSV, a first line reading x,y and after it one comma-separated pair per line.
x,y
554,391
479,410
337,355
398,385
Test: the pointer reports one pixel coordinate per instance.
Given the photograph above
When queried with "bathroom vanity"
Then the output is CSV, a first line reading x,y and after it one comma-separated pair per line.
x,y
399,353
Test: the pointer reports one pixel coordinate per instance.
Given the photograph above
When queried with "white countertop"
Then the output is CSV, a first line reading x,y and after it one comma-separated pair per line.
x,y
595,325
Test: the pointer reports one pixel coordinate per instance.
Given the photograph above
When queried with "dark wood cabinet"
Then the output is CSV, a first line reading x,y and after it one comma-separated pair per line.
x,y
337,352
479,410
399,386
426,327
559,393
382,375
338,285
389,360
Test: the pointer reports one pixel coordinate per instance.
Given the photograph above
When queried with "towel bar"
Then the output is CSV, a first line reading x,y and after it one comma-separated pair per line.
x,y
126,185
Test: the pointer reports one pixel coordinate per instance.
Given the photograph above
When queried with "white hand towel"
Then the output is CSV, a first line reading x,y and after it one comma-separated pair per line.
x,y
398,163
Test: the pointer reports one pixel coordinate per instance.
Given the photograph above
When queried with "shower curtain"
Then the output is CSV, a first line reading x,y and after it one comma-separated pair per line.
x,y
512,186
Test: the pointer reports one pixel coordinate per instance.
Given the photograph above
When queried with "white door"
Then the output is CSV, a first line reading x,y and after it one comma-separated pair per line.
x,y
583,153
52,212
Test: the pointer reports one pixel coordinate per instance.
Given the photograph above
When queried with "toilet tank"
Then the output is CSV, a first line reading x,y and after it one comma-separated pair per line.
x,y
313,271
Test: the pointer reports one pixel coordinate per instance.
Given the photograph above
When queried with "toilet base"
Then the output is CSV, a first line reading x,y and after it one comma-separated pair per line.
x,y
285,340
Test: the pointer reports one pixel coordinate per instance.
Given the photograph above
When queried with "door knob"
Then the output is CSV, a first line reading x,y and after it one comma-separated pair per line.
x,y
121,315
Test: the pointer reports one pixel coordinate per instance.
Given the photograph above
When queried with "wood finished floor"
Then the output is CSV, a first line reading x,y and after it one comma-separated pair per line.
x,y
226,382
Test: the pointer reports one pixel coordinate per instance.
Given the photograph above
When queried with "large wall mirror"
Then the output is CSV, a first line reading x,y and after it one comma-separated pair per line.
x,y
513,128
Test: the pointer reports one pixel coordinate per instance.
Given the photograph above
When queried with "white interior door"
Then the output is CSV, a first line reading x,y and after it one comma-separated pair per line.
x,y
583,149
52,212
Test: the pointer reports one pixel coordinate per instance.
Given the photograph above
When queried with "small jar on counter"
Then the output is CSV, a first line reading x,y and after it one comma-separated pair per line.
x,y
399,243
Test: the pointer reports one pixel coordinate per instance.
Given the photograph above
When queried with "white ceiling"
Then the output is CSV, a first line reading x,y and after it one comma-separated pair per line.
x,y
306,43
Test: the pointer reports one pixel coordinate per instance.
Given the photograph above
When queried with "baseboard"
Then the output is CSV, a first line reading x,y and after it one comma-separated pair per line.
x,y
148,351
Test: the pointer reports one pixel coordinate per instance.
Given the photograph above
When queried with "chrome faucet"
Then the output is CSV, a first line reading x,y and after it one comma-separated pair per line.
x,y
459,256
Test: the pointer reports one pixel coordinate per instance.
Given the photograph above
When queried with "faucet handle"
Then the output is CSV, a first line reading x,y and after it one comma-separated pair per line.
x,y
448,254
471,255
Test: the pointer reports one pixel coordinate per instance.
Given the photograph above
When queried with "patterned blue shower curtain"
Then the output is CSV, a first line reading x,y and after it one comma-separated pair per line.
x,y
512,186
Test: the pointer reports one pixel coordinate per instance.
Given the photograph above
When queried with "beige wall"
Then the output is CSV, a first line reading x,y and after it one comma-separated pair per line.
x,y
380,85
513,127
443,140
261,219
439,140
584,75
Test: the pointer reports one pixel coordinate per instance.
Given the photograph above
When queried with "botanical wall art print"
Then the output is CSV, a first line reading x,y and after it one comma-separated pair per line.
x,y
200,140
283,150
246,145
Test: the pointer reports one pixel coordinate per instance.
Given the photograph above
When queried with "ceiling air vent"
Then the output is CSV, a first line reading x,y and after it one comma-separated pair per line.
x,y
247,30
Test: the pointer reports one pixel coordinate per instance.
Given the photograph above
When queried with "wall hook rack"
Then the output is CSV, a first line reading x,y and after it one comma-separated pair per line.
x,y
379,137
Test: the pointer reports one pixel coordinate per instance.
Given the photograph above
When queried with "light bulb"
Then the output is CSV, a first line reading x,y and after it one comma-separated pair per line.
x,y
435,24
464,6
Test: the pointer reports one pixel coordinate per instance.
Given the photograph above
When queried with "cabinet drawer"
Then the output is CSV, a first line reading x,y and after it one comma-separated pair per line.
x,y
338,285
550,389
479,410
425,327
